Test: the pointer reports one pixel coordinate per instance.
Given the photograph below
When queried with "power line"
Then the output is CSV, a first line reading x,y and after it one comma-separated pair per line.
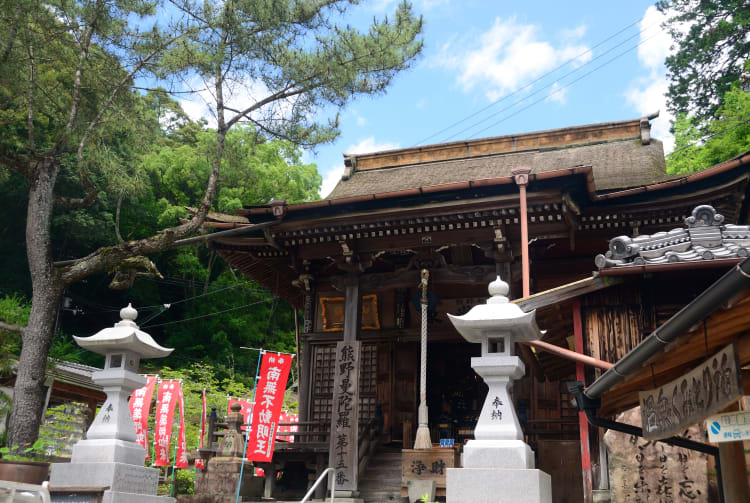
x,y
717,133
543,76
205,315
555,91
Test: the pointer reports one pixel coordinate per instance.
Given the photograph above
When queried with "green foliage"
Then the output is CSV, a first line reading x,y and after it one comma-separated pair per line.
x,y
34,452
713,47
725,136
15,311
184,482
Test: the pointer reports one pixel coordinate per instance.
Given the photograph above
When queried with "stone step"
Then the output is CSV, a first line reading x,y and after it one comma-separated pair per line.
x,y
381,497
382,471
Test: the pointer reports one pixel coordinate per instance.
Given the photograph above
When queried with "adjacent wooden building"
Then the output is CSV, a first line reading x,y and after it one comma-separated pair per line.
x,y
535,208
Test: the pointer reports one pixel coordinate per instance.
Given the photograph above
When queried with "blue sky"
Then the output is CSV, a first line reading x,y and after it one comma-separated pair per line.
x,y
480,52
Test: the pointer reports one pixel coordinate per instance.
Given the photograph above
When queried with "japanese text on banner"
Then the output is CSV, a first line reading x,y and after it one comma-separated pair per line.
x,y
140,405
269,397
167,398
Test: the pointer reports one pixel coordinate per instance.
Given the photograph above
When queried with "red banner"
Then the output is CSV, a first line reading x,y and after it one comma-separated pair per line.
x,y
199,462
140,405
181,460
269,396
167,398
287,418
246,410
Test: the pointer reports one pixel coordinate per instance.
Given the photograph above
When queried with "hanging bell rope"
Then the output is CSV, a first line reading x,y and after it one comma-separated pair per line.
x,y
423,440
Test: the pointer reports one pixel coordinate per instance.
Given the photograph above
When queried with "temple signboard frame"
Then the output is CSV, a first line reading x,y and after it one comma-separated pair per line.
x,y
708,388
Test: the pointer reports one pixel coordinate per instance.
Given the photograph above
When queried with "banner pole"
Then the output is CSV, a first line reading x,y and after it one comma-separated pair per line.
x,y
249,425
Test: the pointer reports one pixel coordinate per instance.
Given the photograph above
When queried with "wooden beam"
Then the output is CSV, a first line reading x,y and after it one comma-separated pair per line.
x,y
566,292
483,274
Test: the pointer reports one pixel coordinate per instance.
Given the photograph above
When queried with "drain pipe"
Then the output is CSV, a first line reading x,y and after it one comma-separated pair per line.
x,y
699,308
521,176
590,406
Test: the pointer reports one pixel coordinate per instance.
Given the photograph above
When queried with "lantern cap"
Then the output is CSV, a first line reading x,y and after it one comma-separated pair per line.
x,y
497,316
124,336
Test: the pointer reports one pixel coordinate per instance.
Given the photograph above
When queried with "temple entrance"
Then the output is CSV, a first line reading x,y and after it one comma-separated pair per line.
x,y
455,393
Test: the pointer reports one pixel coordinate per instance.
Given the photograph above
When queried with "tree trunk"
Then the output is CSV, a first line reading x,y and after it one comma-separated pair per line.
x,y
28,393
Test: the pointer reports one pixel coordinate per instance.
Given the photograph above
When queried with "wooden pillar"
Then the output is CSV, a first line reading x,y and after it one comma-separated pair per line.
x,y
733,472
521,176
305,352
583,424
352,308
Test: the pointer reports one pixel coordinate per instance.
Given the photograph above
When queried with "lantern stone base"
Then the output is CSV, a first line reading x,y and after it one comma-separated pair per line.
x,y
488,485
108,450
127,483
514,454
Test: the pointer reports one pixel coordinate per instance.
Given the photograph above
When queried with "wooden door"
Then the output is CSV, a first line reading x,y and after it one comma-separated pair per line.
x,y
561,459
405,372
385,387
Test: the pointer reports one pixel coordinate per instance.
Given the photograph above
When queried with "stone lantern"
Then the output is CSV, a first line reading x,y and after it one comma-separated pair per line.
x,y
109,457
497,462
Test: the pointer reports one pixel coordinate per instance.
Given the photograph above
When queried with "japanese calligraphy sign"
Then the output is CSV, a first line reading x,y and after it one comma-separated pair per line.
x,y
140,405
343,455
181,460
201,463
246,410
269,397
705,390
642,470
166,401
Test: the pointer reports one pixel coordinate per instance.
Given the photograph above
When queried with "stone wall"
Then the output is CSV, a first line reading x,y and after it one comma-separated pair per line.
x,y
62,427
649,471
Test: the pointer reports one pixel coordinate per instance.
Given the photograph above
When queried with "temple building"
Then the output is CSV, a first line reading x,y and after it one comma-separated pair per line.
x,y
534,208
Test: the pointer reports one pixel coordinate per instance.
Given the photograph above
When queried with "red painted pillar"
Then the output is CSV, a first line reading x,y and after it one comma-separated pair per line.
x,y
583,424
521,176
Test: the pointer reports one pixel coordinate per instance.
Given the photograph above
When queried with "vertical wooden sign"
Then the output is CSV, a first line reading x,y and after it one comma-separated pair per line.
x,y
345,416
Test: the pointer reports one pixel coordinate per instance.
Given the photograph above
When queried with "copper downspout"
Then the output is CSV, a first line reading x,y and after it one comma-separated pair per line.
x,y
521,177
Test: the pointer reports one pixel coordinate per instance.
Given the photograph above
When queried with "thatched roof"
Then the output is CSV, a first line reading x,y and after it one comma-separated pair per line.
x,y
616,152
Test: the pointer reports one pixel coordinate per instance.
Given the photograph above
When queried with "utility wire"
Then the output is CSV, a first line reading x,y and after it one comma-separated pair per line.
x,y
543,76
706,137
206,315
554,92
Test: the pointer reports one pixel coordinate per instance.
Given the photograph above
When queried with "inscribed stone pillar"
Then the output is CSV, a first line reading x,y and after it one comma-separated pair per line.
x,y
343,451
643,470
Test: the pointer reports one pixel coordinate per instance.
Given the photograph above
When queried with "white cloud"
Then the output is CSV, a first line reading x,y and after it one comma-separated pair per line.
x,y
648,94
365,146
656,41
573,34
647,98
557,94
507,56
361,121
